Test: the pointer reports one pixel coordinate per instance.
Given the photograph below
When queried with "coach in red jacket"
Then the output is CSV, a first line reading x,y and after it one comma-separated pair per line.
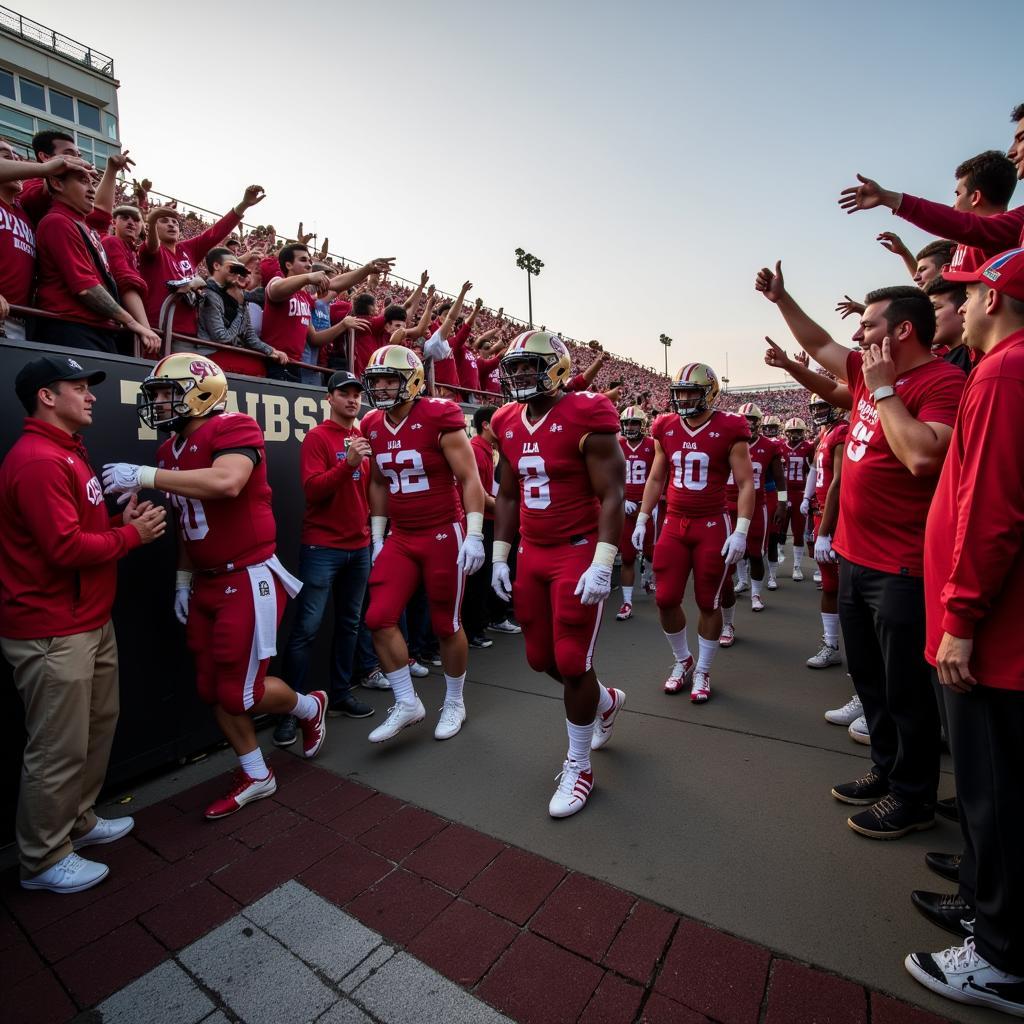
x,y
58,573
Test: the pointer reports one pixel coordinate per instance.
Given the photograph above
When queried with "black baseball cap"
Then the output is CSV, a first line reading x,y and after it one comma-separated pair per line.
x,y
342,377
47,370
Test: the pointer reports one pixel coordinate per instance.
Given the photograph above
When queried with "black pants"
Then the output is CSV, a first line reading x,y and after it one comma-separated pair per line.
x,y
97,339
882,616
986,736
482,606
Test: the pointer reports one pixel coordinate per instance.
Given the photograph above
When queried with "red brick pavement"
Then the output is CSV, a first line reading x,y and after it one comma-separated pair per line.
x,y
535,940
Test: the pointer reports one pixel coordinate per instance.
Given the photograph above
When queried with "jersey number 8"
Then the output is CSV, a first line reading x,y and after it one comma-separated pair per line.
x,y
536,482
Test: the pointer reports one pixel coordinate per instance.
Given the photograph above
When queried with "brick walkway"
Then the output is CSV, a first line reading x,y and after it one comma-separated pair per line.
x,y
534,940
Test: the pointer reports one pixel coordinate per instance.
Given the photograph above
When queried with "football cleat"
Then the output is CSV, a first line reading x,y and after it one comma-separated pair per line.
x,y
817,577
701,689
574,786
849,712
680,676
314,729
453,714
604,724
401,716
798,573
741,587
756,604
625,612
826,657
728,635
245,792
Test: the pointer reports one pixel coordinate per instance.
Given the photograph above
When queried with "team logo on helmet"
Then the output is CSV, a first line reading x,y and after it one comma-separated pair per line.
x,y
200,369
181,387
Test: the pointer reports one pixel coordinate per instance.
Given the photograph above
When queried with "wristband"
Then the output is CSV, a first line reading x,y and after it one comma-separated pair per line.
x,y
475,524
885,391
378,524
784,497
642,517
604,554
147,476
742,525
500,551
183,580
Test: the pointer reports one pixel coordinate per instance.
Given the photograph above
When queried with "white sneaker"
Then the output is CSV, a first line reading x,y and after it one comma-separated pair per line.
x,y
728,635
782,558
826,657
701,689
625,612
680,676
756,604
961,974
574,786
416,670
399,717
798,573
376,680
849,712
505,626
106,830
817,576
452,716
604,724
70,874
859,731
772,583
742,587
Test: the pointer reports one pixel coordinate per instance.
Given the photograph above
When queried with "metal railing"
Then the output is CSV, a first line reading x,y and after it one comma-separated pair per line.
x,y
18,25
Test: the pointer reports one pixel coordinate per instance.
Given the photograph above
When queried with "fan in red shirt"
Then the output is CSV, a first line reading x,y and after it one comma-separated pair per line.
x,y
419,449
230,589
638,451
697,450
797,454
17,246
122,249
562,480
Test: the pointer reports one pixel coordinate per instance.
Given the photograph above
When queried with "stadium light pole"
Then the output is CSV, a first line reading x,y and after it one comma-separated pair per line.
x,y
528,262
666,341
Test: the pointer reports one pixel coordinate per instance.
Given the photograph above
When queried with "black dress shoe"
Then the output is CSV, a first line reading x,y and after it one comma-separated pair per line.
x,y
945,864
947,910
284,731
947,809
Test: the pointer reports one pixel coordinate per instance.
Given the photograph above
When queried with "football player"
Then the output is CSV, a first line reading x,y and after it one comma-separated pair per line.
x,y
419,449
697,448
230,588
771,428
797,456
638,450
562,478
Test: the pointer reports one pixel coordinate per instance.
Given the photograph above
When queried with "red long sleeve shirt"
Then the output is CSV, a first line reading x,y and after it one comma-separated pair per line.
x,y
337,513
123,261
974,538
58,548
992,235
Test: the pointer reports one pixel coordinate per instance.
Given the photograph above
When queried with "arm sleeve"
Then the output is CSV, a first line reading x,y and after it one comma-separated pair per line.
x,y
199,246
990,505
994,234
124,274
320,469
460,338
44,493
211,319
576,383
811,483
248,336
67,248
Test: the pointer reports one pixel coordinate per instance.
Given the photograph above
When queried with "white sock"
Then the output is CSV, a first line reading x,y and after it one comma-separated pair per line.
x,y
627,595
454,685
605,700
401,685
771,570
728,614
755,588
679,644
253,764
743,571
798,557
305,707
579,743
707,653
830,624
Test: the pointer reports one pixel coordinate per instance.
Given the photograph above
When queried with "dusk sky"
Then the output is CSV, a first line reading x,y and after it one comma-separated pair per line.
x,y
653,155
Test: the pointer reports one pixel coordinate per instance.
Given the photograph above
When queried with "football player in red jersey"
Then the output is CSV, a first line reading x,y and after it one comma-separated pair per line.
x,y
697,448
771,428
419,449
796,459
562,482
638,450
230,589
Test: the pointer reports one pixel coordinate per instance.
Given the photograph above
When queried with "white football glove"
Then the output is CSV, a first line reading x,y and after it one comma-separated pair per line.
x,y
639,531
501,580
734,548
125,479
182,593
471,554
595,584
823,549
631,507
805,507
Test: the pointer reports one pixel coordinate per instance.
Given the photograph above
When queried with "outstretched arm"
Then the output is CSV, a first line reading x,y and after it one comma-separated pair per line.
x,y
817,383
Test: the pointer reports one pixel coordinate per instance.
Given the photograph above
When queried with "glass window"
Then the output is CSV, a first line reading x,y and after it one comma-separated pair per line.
x,y
61,105
85,147
16,119
102,151
88,115
7,84
32,94
110,126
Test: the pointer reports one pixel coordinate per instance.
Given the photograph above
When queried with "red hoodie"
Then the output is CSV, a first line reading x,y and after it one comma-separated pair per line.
x,y
59,547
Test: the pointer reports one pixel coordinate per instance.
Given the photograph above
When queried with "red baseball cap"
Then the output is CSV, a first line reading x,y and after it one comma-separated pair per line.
x,y
1004,273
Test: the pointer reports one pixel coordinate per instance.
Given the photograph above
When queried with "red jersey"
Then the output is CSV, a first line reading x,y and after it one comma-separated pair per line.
x,y
639,459
825,461
484,455
794,462
17,254
367,342
465,361
699,460
763,452
556,501
421,486
884,505
337,515
286,322
974,558
227,533
488,366
123,261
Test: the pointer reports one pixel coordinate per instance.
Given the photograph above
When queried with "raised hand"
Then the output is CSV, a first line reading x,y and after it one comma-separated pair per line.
x,y
849,307
770,283
891,241
303,237
253,194
775,356
120,161
424,278
803,359
866,196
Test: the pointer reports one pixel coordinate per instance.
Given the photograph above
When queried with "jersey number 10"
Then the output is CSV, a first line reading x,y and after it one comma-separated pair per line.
x,y
691,472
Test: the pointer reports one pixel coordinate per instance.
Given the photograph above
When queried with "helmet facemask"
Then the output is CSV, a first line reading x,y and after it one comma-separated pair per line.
x,y
688,399
632,429
822,414
513,385
373,376
170,414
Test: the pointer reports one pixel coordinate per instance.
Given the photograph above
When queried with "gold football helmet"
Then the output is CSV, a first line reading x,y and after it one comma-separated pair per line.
x,y
751,411
795,428
393,361
693,389
542,351
197,385
633,422
771,426
822,413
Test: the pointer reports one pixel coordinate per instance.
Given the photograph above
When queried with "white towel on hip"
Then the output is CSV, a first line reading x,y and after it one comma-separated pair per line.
x,y
264,600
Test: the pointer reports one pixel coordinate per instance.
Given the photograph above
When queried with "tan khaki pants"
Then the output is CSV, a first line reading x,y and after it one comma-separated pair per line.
x,y
68,685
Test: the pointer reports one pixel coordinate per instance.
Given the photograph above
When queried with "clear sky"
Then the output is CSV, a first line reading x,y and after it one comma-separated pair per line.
x,y
653,155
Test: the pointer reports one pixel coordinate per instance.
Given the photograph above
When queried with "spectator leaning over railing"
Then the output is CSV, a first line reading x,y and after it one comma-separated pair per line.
x,y
17,246
947,299
122,249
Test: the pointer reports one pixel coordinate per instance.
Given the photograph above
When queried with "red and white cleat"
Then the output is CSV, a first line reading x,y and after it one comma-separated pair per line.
x,y
756,604
246,790
728,635
574,786
604,724
680,676
625,612
701,690
314,729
